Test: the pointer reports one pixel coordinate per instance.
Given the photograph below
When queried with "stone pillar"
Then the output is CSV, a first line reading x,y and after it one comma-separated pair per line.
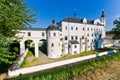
x,y
22,47
36,48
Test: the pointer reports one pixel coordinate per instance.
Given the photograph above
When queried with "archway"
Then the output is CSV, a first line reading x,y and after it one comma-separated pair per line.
x,y
29,44
43,46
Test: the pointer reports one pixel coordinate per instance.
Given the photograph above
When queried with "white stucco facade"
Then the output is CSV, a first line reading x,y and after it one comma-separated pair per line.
x,y
54,47
85,35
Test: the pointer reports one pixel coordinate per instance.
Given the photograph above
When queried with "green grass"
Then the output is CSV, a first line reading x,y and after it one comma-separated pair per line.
x,y
30,53
85,53
25,63
66,72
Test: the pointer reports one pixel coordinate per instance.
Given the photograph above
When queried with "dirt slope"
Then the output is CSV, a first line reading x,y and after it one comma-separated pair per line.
x,y
110,71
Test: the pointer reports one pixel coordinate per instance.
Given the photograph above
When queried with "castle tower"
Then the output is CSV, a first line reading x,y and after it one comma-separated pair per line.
x,y
54,48
103,19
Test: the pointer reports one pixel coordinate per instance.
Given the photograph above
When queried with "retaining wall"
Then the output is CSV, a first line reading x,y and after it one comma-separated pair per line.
x,y
55,64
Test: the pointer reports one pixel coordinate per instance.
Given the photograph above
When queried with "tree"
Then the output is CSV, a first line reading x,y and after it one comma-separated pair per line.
x,y
14,16
116,30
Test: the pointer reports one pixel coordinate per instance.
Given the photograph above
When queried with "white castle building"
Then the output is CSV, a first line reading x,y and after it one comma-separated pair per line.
x,y
71,35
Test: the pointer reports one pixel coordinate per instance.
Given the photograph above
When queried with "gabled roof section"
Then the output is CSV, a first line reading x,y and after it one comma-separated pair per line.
x,y
78,20
53,27
73,19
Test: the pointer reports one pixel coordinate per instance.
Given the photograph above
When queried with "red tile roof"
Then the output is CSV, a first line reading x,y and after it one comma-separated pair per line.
x,y
110,34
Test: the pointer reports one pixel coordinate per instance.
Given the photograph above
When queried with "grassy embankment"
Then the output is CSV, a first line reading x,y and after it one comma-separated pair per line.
x,y
30,60
66,72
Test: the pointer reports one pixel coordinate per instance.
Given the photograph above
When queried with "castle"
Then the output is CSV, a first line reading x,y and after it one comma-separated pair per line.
x,y
71,35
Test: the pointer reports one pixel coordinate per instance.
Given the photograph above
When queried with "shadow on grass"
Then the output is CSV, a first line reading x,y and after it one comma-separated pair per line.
x,y
43,48
4,67
31,49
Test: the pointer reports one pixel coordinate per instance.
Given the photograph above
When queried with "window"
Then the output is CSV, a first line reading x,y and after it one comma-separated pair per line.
x,y
29,34
83,29
49,34
75,46
52,45
60,34
95,35
76,37
61,39
88,29
88,35
43,34
71,28
76,28
75,52
92,40
92,35
87,40
91,29
65,27
71,37
65,37
54,34
82,37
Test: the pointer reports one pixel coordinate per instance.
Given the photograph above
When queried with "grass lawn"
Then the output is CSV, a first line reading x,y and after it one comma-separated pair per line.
x,y
30,60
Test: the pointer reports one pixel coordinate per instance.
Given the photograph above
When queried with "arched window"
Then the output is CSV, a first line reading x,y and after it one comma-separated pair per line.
x,y
52,45
88,35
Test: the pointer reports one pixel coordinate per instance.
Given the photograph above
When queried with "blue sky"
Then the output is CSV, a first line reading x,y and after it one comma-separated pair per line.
x,y
59,9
